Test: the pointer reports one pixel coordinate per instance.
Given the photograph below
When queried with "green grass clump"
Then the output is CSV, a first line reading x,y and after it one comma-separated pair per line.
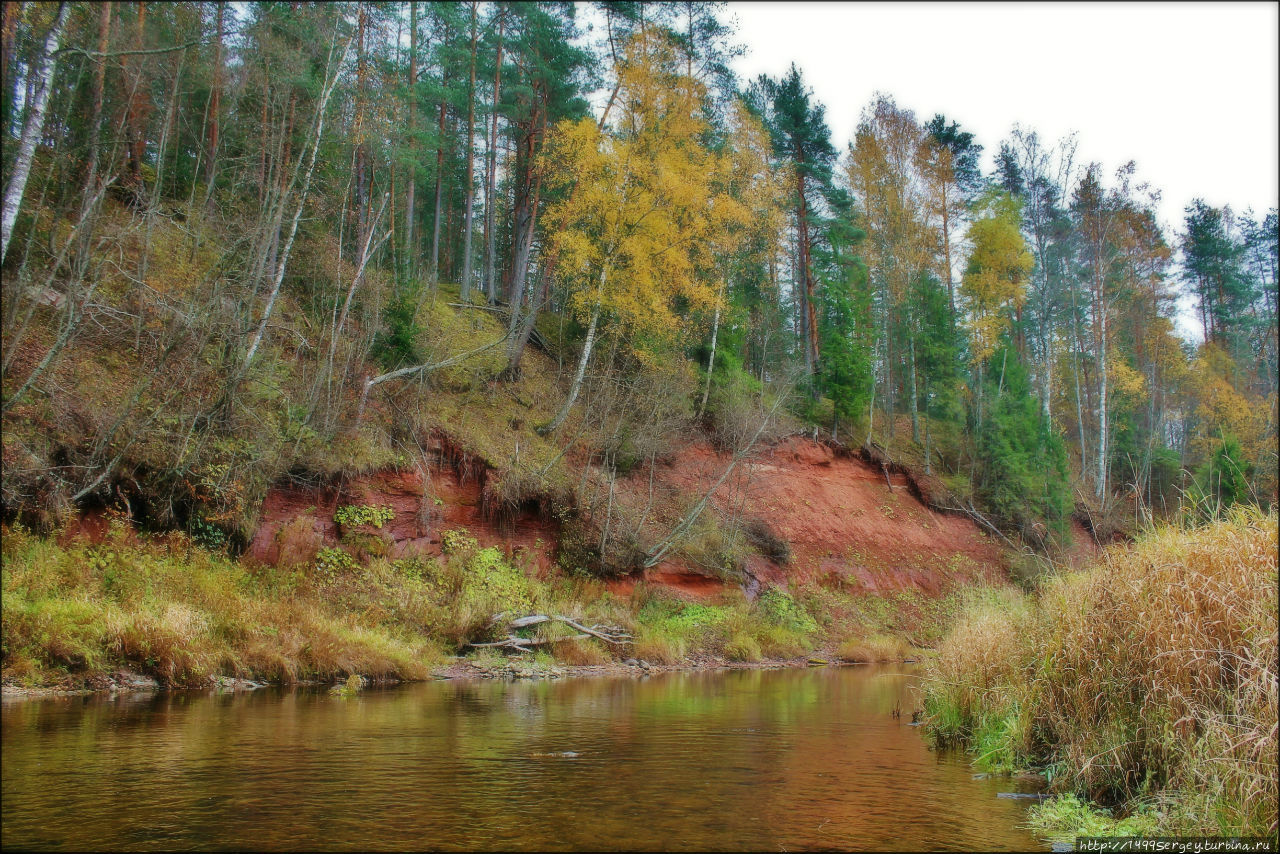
x,y
1063,818
173,610
671,629
777,607
1149,678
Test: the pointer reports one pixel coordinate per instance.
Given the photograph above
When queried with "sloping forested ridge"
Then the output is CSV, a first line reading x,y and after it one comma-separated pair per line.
x,y
249,241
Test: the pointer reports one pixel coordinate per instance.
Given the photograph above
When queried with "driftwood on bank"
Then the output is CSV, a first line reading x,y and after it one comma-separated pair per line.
x,y
608,634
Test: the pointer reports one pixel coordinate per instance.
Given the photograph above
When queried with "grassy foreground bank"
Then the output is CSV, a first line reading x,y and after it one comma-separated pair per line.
x,y
1147,684
76,612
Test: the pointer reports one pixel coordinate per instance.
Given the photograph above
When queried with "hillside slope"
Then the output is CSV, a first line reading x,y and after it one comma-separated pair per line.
x,y
832,518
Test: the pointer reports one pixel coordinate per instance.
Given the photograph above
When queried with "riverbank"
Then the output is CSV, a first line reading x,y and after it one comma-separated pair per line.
x,y
462,668
132,612
1145,687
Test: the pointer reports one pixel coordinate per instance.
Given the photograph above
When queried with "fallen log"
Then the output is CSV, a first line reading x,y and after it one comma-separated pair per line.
x,y
619,639
609,634
522,644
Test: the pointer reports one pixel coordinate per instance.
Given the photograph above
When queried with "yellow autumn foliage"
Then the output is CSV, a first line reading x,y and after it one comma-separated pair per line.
x,y
640,200
995,281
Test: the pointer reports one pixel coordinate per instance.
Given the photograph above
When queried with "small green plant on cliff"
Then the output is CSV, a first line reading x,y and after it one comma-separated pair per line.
x,y
333,562
351,515
412,567
778,608
208,535
491,580
457,541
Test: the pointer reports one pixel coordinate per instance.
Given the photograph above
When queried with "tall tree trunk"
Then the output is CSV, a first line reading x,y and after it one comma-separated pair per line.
x,y
946,254
871,405
522,215
464,290
302,201
138,108
1102,393
410,206
711,358
1075,363
915,416
524,249
928,451
490,280
1046,385
31,129
806,277
362,177
8,37
435,223
537,128
582,366
890,396
99,84
215,111
802,293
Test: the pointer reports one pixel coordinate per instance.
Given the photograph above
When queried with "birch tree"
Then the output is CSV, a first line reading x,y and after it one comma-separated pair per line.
x,y
640,207
321,110
42,81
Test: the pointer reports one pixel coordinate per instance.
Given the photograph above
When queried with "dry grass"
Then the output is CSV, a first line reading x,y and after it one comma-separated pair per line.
x,y
660,646
182,614
873,649
1150,677
581,652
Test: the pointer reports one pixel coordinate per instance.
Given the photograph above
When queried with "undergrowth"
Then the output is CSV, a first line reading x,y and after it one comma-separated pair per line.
x,y
76,612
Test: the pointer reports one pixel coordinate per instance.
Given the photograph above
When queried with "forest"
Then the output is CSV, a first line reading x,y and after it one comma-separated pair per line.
x,y
339,336
237,217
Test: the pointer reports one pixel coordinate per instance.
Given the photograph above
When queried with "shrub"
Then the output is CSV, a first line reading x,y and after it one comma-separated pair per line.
x,y
660,644
742,647
332,562
353,515
779,609
493,582
581,652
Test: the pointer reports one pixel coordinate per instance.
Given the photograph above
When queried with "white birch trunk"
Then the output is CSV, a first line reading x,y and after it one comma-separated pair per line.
x,y
302,201
1102,400
31,130
582,367
711,359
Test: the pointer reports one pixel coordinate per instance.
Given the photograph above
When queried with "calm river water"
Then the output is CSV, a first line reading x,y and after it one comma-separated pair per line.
x,y
781,760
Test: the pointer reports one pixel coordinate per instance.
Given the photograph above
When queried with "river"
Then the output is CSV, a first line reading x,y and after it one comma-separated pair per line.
x,y
758,760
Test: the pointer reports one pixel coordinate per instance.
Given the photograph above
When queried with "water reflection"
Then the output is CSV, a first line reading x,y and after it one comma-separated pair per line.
x,y
741,760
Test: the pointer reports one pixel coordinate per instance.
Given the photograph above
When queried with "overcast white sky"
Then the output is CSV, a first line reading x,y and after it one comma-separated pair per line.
x,y
1187,90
